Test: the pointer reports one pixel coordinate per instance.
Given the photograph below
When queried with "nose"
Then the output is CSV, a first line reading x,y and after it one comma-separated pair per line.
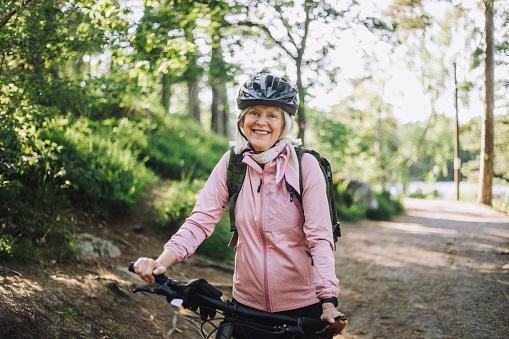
x,y
262,120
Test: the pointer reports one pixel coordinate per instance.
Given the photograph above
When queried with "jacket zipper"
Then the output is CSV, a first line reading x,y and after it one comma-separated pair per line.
x,y
264,245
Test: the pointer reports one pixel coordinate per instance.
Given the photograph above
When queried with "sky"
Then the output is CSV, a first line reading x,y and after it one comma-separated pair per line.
x,y
403,89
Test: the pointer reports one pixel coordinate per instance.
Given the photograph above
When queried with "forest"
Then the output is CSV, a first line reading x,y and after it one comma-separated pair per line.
x,y
103,100
113,114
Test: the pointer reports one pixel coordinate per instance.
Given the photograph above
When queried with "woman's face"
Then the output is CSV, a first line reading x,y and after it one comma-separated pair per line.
x,y
263,126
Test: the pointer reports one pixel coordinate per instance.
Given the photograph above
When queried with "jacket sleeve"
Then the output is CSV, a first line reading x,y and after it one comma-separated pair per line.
x,y
207,212
317,227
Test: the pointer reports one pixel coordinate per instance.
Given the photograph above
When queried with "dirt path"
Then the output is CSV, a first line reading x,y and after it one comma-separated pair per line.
x,y
435,272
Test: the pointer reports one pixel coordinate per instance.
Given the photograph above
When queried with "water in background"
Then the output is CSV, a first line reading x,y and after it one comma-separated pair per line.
x,y
446,189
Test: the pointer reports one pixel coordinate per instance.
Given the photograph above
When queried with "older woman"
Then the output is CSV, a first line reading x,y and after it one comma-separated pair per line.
x,y
284,258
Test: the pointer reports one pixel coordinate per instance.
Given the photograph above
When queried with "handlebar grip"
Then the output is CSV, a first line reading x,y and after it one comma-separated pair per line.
x,y
335,328
160,279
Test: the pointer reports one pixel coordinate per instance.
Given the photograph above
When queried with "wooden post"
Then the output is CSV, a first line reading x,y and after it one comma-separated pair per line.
x,y
487,131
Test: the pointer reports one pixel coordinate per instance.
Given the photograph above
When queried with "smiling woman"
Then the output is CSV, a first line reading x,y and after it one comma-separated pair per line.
x,y
263,126
284,259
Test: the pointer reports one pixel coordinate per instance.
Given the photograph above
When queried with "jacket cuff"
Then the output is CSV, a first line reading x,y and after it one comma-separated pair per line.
x,y
180,253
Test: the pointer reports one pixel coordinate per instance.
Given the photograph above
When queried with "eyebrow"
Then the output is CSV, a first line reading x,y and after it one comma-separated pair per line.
x,y
270,112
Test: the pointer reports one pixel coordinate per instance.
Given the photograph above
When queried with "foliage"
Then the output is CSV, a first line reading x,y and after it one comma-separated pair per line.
x,y
160,39
347,210
216,246
387,207
353,213
178,148
31,181
176,203
469,140
427,153
332,138
7,242
101,171
42,45
502,205
420,195
360,135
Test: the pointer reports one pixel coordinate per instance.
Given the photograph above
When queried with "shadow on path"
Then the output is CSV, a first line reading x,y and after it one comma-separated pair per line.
x,y
435,272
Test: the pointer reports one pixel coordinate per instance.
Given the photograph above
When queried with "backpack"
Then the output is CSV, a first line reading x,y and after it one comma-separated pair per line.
x,y
236,173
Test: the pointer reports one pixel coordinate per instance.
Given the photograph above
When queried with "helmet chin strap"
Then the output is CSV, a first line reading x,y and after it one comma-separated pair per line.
x,y
240,130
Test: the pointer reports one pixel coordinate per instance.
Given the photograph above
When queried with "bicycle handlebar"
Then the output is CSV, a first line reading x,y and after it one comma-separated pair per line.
x,y
309,324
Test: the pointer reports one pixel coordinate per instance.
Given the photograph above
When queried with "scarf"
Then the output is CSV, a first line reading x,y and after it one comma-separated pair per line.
x,y
287,164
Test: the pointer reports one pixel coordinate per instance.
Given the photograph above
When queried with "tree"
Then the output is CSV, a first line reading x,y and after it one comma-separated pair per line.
x,y
217,79
487,132
291,37
220,72
360,134
165,43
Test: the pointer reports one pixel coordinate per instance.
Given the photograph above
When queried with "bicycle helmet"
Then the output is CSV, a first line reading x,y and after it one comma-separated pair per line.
x,y
268,89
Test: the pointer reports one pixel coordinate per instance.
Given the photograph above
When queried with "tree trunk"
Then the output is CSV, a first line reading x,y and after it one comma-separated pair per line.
x,y
165,92
193,101
380,150
487,134
224,107
301,113
192,76
457,160
219,107
214,108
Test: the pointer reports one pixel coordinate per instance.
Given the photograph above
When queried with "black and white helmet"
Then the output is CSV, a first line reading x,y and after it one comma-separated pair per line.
x,y
268,89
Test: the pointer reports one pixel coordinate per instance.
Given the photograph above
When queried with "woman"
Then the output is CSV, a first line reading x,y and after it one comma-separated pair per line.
x,y
284,259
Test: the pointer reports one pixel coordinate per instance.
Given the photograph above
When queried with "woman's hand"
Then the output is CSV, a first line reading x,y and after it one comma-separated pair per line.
x,y
146,268
329,313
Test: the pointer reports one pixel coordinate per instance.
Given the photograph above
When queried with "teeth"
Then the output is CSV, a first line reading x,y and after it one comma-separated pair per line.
x,y
260,132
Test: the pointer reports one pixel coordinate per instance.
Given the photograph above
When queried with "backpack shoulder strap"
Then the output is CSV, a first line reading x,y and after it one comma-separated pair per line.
x,y
293,192
330,189
235,175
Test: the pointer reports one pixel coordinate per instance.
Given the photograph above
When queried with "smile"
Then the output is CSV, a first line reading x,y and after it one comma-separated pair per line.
x,y
257,131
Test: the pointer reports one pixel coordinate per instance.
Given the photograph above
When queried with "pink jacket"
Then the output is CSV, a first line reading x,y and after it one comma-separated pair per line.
x,y
283,260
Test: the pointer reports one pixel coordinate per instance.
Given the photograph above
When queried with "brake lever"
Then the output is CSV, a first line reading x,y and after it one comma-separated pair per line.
x,y
160,290
144,289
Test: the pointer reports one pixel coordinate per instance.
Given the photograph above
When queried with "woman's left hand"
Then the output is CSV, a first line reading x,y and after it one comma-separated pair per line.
x,y
330,313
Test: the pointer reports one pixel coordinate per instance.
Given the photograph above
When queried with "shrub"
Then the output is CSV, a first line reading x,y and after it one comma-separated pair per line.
x,y
216,246
353,213
180,149
176,203
502,204
387,207
102,172
6,245
32,187
347,209
420,195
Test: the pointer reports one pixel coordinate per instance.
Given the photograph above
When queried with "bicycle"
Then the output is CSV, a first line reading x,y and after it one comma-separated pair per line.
x,y
200,295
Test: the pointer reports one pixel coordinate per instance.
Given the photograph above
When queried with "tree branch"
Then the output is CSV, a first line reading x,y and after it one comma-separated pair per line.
x,y
9,15
307,8
287,28
269,33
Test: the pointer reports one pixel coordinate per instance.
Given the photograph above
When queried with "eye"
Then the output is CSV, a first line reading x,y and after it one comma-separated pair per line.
x,y
254,114
273,116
